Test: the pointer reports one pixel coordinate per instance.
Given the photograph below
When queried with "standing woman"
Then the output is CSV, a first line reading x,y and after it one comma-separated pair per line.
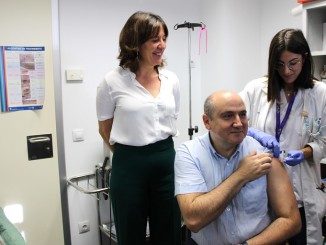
x,y
137,108
290,104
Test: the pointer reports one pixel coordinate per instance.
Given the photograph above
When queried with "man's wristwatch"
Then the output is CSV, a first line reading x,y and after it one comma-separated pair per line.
x,y
244,243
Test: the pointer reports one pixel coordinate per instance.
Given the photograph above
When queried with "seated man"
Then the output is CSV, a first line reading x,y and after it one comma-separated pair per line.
x,y
230,191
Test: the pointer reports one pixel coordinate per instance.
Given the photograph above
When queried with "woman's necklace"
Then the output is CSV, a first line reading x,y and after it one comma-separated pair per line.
x,y
288,92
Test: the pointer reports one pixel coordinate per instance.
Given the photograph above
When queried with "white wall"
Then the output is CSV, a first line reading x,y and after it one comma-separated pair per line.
x,y
273,21
32,184
240,40
238,37
89,35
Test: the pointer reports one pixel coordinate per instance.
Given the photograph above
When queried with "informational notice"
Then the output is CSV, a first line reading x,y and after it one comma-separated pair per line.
x,y
22,78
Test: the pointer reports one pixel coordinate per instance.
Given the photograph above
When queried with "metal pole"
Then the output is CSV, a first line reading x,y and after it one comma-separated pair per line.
x,y
189,56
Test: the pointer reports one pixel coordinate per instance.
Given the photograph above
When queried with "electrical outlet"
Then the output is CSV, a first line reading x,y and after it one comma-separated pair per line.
x,y
74,74
84,226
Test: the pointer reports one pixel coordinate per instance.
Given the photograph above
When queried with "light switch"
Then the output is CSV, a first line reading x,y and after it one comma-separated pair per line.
x,y
74,75
78,134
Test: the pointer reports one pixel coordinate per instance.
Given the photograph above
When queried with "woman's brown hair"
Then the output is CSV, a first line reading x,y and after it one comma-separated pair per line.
x,y
293,41
140,27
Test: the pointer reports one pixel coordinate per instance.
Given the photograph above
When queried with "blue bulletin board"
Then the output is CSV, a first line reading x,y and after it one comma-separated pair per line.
x,y
22,78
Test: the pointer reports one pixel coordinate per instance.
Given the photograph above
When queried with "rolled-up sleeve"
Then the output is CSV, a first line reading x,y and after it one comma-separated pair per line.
x,y
104,104
188,177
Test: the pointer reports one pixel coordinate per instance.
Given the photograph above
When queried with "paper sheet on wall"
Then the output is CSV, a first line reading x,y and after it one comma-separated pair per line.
x,y
22,78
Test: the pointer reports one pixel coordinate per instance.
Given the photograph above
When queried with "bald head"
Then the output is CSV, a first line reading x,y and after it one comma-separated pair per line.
x,y
219,99
225,117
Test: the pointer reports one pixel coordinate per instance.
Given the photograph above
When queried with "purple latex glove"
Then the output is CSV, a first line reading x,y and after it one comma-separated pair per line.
x,y
294,157
266,140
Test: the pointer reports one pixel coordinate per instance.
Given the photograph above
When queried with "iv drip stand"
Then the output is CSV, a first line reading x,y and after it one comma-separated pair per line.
x,y
189,25
190,129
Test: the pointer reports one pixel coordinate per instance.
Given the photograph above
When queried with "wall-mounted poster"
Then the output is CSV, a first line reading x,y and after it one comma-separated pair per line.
x,y
22,78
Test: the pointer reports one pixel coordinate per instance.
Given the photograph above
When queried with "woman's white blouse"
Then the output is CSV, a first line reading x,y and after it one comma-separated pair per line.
x,y
139,118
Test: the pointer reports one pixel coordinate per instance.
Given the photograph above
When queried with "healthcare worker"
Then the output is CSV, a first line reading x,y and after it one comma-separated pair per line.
x,y
290,104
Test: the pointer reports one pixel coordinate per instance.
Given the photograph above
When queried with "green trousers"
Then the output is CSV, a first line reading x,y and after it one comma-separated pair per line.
x,y
142,189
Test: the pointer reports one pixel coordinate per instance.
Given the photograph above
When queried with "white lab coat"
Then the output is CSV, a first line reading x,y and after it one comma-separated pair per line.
x,y
301,129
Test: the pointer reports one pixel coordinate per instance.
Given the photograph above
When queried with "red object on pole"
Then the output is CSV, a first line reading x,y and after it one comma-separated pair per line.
x,y
305,1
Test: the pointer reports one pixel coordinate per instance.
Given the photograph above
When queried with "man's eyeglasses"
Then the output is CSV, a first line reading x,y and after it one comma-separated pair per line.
x,y
292,65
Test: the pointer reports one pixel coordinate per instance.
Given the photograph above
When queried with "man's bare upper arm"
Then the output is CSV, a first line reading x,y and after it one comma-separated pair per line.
x,y
280,190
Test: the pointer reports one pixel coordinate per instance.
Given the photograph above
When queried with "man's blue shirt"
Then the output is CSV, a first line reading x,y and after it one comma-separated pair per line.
x,y
199,168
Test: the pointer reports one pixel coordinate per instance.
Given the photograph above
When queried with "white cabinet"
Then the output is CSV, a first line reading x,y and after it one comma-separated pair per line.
x,y
314,16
